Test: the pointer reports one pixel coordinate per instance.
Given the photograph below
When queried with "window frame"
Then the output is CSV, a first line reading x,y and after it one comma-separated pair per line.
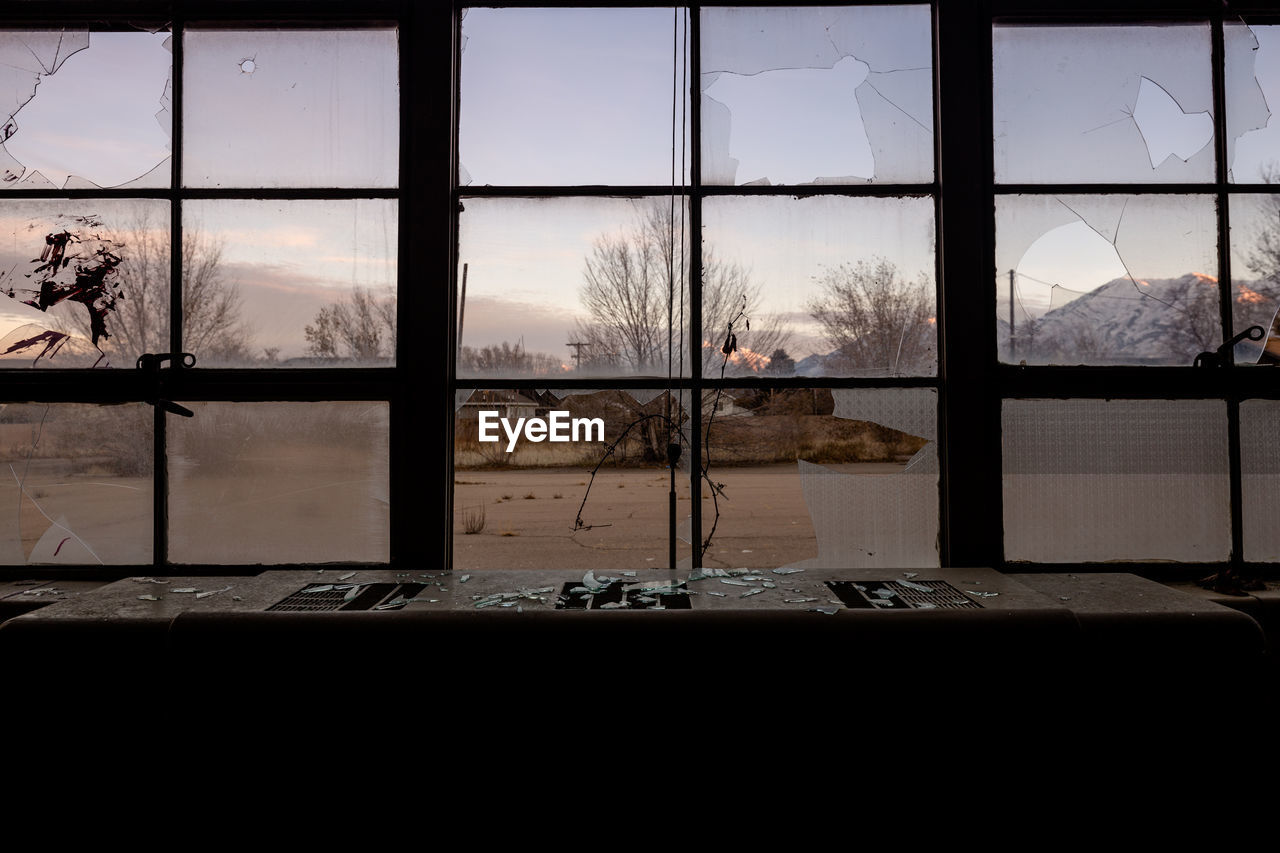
x,y
693,193
1231,384
393,385
972,383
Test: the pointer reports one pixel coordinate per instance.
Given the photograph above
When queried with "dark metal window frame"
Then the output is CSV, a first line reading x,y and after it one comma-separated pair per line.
x,y
397,386
693,193
971,382
1232,383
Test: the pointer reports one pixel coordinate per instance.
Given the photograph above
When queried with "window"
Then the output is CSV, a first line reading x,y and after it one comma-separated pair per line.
x,y
200,223
1132,226
963,336
792,357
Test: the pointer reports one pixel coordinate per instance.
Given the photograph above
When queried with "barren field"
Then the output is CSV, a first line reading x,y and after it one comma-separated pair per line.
x,y
529,516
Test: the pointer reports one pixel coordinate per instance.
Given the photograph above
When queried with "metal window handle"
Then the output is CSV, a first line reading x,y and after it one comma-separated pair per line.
x,y
152,363
1218,357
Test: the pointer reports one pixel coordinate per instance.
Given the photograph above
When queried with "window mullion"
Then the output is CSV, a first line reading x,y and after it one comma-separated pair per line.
x,y
694,267
1224,290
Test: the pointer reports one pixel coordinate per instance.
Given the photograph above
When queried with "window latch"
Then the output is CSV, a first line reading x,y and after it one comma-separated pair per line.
x,y
152,362
1218,357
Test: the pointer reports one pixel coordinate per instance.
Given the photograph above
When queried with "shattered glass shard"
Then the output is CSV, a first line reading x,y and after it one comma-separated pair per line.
x,y
782,111
47,348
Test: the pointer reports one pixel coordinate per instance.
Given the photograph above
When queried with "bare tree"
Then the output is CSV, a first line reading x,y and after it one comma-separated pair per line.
x,y
1263,259
876,320
138,322
507,359
361,327
632,279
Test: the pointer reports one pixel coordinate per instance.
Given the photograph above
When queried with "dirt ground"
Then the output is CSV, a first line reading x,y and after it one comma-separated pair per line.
x,y
529,516
278,504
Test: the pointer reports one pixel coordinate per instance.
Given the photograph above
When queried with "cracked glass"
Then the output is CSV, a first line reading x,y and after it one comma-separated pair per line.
x,y
1103,104
1106,279
826,286
299,108
571,287
87,282
296,283
817,95
77,485
1102,480
820,478
525,501
85,110
280,482
571,96
1252,76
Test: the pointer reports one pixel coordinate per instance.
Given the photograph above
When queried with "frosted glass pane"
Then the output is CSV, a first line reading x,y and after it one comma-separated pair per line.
x,y
77,486
1097,480
1260,472
1103,104
817,95
303,108
279,483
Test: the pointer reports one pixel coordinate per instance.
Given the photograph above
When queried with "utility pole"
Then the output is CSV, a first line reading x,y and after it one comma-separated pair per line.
x,y
1012,336
577,352
462,305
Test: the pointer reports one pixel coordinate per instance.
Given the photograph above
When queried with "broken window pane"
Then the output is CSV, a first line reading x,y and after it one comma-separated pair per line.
x,y
1106,279
87,281
303,108
518,499
1252,56
296,283
1260,475
77,484
266,483
572,287
571,96
818,478
817,95
1100,104
1099,480
832,286
1255,275
84,110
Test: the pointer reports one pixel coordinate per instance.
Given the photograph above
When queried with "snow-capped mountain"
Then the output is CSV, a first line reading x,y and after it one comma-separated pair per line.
x,y
1133,321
